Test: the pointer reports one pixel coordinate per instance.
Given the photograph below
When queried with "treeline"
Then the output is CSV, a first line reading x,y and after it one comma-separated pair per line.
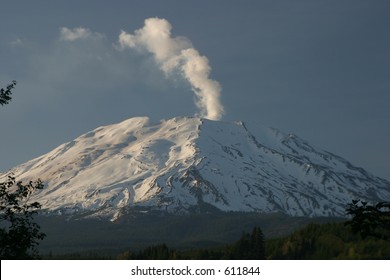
x,y
365,236
315,241
327,241
249,246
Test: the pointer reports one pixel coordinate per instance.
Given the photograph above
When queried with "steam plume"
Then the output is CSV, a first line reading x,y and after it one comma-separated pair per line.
x,y
178,54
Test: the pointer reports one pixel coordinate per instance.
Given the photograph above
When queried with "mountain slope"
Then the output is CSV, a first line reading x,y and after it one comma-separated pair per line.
x,y
192,164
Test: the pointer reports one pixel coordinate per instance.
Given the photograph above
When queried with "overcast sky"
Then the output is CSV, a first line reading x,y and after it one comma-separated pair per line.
x,y
319,69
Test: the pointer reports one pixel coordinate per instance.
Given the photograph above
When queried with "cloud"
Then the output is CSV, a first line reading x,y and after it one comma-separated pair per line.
x,y
67,34
177,54
72,63
16,42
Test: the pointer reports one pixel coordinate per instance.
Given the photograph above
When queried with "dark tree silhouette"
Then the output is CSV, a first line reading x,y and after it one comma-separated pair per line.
x,y
19,235
250,246
5,94
370,220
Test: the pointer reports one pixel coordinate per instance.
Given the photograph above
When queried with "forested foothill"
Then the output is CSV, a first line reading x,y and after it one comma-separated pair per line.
x,y
358,237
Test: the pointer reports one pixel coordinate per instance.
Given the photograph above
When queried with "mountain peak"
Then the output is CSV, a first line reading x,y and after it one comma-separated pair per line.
x,y
184,163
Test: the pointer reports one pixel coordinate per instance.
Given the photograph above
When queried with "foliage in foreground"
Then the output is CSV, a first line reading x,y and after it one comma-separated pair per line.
x,y
5,94
19,234
370,220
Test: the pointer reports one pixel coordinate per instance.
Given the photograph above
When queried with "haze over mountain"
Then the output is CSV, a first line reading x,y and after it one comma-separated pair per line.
x,y
190,164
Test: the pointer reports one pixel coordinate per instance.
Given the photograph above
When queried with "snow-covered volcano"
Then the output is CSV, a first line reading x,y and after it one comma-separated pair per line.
x,y
189,164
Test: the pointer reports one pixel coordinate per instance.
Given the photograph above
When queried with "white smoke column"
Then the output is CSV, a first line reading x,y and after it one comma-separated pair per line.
x,y
178,54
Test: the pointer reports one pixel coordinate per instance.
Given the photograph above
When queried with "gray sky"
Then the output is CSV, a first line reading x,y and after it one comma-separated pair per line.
x,y
319,69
